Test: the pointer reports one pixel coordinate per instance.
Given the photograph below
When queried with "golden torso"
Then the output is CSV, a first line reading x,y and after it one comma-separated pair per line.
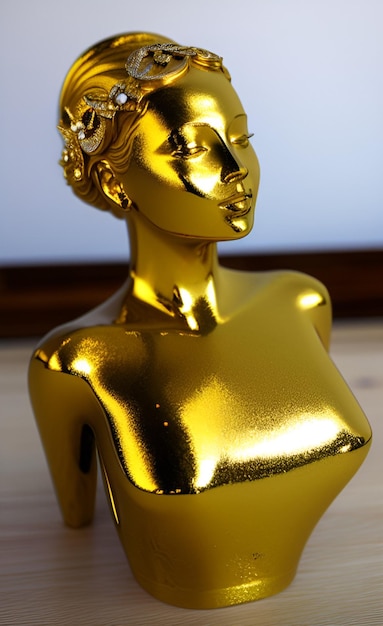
x,y
253,396
220,449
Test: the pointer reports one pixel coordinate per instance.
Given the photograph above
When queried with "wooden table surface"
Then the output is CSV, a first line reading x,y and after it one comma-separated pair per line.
x,y
50,574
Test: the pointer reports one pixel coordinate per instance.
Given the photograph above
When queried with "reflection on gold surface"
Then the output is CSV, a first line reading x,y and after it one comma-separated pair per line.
x,y
82,366
310,300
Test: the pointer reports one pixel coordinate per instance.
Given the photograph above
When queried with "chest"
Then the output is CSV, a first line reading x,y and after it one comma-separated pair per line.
x,y
237,371
188,412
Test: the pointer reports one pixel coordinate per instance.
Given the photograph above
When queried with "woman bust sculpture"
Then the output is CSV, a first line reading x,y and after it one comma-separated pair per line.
x,y
223,429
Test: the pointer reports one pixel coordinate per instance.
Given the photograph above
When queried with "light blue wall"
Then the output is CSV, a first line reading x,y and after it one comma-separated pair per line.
x,y
309,73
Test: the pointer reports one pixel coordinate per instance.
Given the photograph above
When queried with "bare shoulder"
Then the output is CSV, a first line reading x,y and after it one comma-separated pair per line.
x,y
52,344
289,291
312,300
293,282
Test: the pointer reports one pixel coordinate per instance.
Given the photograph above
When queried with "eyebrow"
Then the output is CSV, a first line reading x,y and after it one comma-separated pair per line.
x,y
178,133
199,124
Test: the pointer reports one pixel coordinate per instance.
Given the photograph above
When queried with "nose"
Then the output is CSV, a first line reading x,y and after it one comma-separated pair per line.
x,y
232,170
235,176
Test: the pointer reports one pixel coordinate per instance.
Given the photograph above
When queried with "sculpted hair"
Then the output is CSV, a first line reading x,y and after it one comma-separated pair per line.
x,y
95,72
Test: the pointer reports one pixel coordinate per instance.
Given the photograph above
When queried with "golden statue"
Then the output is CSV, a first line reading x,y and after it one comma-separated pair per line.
x,y
222,427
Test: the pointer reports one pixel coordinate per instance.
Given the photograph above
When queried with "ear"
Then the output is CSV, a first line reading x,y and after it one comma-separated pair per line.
x,y
111,187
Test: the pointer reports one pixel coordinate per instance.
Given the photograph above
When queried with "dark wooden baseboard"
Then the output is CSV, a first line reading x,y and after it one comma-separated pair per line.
x,y
34,299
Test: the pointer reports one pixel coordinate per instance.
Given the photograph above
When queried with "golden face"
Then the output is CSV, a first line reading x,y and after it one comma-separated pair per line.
x,y
193,171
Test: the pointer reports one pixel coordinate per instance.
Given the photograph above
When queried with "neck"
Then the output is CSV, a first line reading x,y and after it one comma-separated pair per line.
x,y
175,275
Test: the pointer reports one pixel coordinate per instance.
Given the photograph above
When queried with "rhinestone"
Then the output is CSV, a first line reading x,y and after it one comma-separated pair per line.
x,y
121,98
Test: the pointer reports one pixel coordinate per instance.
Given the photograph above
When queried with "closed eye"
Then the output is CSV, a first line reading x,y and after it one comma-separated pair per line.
x,y
182,148
242,140
188,152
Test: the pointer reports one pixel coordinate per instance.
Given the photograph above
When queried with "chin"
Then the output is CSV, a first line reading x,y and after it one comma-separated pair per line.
x,y
240,226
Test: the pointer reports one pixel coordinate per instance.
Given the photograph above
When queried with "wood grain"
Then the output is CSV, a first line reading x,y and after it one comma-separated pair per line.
x,y
51,575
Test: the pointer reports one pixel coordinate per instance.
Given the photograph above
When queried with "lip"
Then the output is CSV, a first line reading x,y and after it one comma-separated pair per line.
x,y
238,204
